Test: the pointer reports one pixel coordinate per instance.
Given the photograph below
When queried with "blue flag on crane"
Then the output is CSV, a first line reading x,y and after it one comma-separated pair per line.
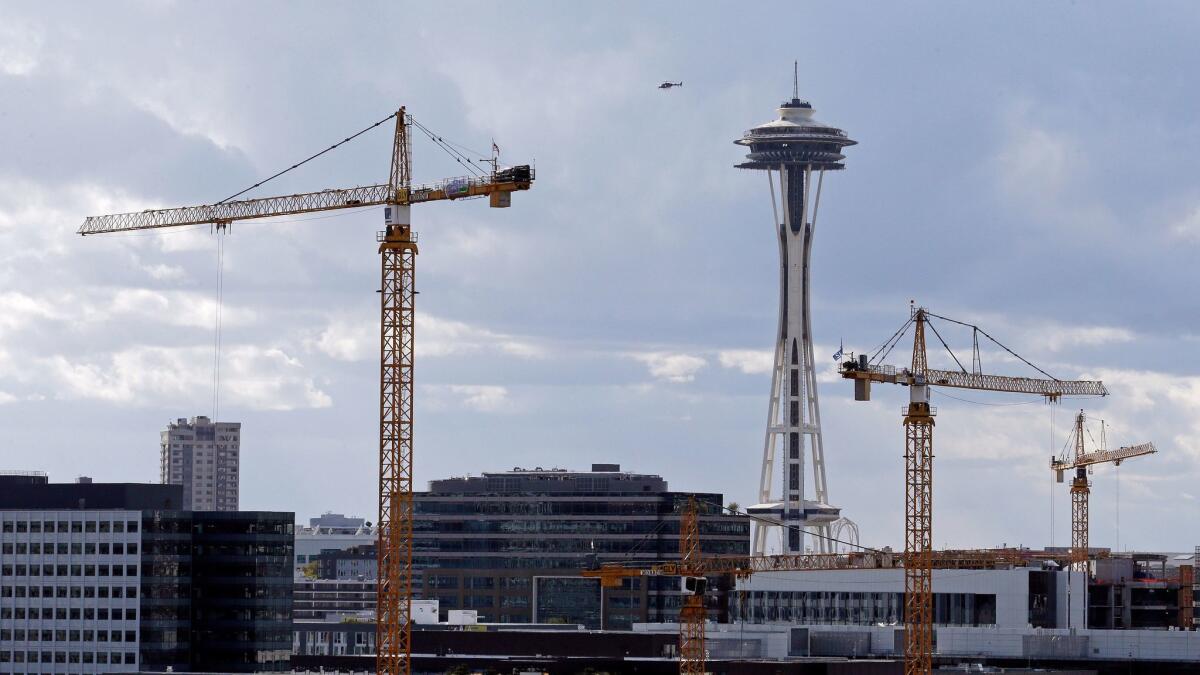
x,y
841,349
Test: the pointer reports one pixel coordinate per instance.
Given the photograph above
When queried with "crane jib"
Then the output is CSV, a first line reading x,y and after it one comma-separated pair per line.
x,y
510,180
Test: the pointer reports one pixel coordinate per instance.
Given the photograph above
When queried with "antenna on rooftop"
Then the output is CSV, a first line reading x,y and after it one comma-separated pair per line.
x,y
796,79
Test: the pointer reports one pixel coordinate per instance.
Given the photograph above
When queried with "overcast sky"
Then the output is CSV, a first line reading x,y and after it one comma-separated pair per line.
x,y
1027,166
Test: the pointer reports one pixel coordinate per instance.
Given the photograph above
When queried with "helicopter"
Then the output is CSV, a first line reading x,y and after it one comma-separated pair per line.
x,y
669,84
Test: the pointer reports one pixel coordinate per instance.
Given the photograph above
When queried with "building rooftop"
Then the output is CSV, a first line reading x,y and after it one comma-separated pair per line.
x,y
602,478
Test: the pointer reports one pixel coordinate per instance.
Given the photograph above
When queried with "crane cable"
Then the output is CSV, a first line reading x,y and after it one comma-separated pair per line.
x,y
308,159
218,310
448,148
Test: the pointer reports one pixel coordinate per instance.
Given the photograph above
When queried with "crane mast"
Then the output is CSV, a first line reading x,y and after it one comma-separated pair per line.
x,y
398,251
918,462
1081,488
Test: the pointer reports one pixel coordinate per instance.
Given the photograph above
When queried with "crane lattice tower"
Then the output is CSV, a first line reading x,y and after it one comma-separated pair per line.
x,y
795,151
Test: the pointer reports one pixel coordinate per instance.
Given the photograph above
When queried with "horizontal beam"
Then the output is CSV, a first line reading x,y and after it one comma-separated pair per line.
x,y
306,202
981,382
1100,457
245,209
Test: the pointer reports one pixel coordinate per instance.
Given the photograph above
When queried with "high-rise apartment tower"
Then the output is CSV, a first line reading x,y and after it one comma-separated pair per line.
x,y
795,151
202,456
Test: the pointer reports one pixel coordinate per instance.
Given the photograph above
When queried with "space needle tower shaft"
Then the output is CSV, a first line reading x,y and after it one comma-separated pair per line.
x,y
795,151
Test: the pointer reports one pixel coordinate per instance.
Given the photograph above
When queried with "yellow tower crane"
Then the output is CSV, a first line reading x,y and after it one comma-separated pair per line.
x,y
918,454
1081,487
398,250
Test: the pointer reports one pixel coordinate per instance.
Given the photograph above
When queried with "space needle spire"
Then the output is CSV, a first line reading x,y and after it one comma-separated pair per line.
x,y
795,151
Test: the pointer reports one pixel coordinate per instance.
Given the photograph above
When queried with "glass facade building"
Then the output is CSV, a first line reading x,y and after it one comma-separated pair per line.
x,y
483,542
98,578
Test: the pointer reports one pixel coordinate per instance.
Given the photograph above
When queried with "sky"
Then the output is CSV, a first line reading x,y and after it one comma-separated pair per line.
x,y
1027,167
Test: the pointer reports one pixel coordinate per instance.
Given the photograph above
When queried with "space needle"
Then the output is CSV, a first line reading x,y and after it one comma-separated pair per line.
x,y
795,151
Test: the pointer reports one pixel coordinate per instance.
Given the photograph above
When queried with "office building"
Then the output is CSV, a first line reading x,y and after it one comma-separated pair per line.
x,y
511,544
203,457
98,578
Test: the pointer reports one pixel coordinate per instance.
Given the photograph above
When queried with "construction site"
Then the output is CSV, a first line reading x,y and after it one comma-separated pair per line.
x,y
461,567
811,588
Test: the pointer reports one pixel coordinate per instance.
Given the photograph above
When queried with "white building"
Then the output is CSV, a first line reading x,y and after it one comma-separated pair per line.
x,y
319,537
1018,613
69,587
203,457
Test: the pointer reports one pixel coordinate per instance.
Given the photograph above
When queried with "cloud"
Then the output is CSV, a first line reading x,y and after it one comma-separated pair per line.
x,y
347,338
485,398
749,361
1187,226
259,378
672,367
1056,337
20,46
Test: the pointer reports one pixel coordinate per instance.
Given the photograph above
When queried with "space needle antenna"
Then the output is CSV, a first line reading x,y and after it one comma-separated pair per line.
x,y
796,79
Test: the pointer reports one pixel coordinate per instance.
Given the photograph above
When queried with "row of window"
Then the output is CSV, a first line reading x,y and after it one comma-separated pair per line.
x,y
68,591
63,548
20,635
69,613
67,657
72,526
76,570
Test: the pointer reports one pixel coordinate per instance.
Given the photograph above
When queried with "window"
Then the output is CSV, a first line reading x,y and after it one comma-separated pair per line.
x,y
76,526
118,526
102,614
118,549
132,549
116,591
60,591
76,549
130,636
131,570
62,548
7,527
131,526
131,592
90,526
89,548
104,549
7,549
105,526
